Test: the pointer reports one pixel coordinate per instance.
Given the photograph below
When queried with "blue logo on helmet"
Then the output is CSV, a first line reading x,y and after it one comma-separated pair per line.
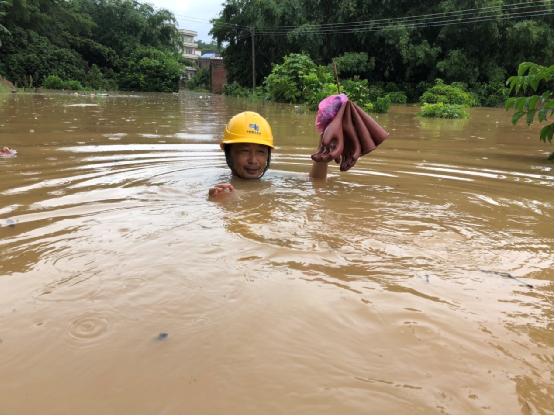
x,y
254,127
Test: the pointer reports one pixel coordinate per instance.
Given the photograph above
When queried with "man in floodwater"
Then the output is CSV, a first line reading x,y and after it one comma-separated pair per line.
x,y
248,144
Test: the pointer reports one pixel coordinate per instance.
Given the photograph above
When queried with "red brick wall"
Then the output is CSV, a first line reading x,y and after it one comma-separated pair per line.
x,y
218,76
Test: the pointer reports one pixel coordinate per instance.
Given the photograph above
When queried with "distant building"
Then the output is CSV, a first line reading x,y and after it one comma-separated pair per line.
x,y
189,45
216,70
210,54
209,61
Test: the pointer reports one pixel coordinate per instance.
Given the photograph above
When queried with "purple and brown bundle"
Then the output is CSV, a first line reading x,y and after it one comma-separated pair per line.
x,y
346,132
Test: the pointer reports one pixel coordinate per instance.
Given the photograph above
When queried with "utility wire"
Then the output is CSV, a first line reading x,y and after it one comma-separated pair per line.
x,y
372,28
198,20
508,11
459,13
393,26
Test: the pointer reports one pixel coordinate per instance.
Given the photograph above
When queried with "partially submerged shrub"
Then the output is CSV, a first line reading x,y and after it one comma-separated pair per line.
x,y
397,97
447,94
236,90
442,110
317,95
357,91
73,85
53,82
382,104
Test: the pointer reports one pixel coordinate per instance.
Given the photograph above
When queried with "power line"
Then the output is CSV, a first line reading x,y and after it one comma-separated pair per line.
x,y
465,16
217,23
373,28
460,13
438,22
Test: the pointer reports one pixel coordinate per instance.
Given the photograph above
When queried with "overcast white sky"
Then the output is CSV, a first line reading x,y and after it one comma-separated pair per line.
x,y
190,13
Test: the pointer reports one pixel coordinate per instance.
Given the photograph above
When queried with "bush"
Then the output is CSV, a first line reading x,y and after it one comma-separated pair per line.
x,y
53,82
368,107
200,80
375,91
397,97
236,90
442,110
319,94
447,94
357,91
381,105
73,85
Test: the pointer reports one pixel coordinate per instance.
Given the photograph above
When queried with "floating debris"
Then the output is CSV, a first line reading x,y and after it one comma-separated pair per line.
x,y
7,152
509,276
162,336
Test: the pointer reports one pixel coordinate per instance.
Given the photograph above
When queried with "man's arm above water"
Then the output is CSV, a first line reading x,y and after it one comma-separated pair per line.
x,y
319,170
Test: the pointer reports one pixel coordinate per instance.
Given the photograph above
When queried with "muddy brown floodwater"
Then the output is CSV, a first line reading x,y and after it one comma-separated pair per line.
x,y
421,281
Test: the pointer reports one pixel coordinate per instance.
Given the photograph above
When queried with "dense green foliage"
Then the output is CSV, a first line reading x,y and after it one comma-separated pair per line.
x,y
476,42
236,90
397,97
447,94
537,79
102,44
199,81
441,110
296,79
446,101
352,64
299,80
54,82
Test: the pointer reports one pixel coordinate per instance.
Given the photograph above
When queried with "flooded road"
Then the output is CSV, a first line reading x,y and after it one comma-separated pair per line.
x,y
421,281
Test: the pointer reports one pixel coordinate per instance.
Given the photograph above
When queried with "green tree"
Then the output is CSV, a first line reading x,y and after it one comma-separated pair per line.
x,y
353,64
149,69
471,41
534,86
95,42
295,78
3,30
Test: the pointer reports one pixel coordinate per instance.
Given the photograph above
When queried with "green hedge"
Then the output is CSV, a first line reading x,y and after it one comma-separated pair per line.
x,y
54,82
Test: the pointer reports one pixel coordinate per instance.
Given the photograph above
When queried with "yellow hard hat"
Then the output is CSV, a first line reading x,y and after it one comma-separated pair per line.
x,y
248,127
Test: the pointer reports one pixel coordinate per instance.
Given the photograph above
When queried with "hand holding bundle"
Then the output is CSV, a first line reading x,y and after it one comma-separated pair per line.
x,y
346,132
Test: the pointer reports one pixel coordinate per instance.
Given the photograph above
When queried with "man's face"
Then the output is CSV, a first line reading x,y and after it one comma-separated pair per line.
x,y
249,159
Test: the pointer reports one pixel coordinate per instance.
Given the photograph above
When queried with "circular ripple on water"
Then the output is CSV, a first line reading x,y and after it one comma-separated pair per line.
x,y
88,328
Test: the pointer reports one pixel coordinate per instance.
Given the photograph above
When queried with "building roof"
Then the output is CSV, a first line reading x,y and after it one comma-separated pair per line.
x,y
188,32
